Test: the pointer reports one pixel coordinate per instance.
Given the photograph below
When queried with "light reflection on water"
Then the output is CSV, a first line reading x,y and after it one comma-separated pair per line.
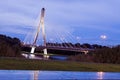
x,y
56,75
35,75
100,75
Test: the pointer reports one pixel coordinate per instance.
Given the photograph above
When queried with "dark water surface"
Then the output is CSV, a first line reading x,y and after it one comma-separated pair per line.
x,y
58,57
57,75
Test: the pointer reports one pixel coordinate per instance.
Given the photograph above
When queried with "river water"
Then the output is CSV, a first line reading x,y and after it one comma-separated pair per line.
x,y
56,75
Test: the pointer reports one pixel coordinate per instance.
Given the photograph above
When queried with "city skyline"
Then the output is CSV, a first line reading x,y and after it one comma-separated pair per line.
x,y
83,20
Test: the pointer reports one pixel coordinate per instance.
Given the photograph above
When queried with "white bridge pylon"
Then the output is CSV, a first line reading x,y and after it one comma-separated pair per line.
x,y
40,25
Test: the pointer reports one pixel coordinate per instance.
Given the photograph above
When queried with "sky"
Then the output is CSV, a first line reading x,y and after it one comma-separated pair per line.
x,y
83,21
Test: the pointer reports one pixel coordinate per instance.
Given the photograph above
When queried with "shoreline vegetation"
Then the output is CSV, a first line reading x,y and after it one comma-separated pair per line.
x,y
32,64
103,58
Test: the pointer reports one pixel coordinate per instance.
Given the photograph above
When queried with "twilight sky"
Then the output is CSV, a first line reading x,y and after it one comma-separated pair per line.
x,y
84,21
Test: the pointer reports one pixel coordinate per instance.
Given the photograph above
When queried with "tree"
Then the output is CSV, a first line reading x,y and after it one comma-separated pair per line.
x,y
86,45
9,47
77,45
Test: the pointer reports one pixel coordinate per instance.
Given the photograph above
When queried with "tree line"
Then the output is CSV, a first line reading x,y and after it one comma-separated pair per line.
x,y
107,55
9,47
101,55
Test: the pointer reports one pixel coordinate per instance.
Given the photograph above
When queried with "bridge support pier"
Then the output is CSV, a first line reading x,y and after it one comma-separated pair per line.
x,y
32,49
85,52
46,56
31,54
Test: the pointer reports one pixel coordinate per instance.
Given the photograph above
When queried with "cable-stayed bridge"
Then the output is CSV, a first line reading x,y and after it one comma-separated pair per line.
x,y
63,48
46,45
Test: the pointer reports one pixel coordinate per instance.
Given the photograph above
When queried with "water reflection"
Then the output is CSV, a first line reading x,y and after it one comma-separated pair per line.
x,y
35,75
100,75
56,75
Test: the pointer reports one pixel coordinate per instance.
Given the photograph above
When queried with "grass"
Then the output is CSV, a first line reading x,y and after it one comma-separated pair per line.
x,y
26,64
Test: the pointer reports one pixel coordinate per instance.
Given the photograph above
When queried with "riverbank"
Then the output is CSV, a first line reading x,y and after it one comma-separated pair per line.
x,y
30,64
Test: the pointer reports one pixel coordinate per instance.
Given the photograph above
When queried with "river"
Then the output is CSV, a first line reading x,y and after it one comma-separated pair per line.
x,y
56,75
